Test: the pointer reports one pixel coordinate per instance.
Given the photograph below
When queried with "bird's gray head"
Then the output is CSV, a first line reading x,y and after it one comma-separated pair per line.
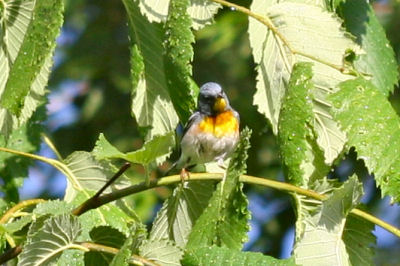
x,y
212,99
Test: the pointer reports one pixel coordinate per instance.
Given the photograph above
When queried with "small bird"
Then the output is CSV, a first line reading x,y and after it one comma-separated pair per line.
x,y
212,131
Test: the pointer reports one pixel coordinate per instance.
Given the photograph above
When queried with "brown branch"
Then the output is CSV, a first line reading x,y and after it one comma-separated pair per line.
x,y
93,202
10,254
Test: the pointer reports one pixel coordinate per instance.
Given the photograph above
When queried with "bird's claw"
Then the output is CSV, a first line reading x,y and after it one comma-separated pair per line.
x,y
184,175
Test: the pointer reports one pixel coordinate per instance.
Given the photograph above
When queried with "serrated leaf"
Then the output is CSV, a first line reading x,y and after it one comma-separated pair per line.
x,y
223,256
319,237
358,238
154,150
302,158
87,174
14,168
104,235
179,54
85,177
107,215
26,49
310,30
46,245
201,11
373,128
379,58
226,216
180,211
151,103
162,252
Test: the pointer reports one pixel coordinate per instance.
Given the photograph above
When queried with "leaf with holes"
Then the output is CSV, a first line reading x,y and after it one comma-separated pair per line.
x,y
302,158
373,128
379,59
26,48
325,46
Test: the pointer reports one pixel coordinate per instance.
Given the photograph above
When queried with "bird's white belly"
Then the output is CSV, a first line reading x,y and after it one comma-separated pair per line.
x,y
206,147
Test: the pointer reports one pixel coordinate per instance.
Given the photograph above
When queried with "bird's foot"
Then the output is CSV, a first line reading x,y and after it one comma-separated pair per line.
x,y
184,175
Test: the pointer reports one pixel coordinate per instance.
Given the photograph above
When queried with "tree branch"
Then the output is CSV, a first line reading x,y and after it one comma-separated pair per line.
x,y
169,180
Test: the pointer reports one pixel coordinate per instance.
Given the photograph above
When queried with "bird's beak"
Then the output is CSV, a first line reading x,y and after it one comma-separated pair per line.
x,y
220,104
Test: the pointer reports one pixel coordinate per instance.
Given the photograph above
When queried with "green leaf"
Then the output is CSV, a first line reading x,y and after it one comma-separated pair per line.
x,y
151,103
26,49
179,54
201,11
107,236
106,215
14,168
179,213
226,216
163,252
379,59
358,238
45,246
85,177
373,128
325,41
302,158
223,256
320,225
123,256
87,174
154,150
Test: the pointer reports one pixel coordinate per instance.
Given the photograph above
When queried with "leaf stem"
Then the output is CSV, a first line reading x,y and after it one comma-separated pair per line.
x,y
23,204
52,146
270,25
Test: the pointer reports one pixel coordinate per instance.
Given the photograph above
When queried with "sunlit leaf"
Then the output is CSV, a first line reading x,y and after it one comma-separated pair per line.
x,y
223,256
320,225
26,50
379,59
226,216
373,128
201,11
302,158
58,233
179,54
325,45
154,149
163,252
151,103
180,211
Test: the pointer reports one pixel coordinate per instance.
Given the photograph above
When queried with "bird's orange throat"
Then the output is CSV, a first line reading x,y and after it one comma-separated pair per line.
x,y
224,124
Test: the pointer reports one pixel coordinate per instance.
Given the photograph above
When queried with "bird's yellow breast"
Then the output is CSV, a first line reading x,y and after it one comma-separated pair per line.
x,y
224,124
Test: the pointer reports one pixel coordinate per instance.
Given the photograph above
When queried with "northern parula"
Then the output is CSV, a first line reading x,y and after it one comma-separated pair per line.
x,y
212,131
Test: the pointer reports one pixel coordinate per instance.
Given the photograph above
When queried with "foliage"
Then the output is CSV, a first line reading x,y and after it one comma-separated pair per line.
x,y
324,71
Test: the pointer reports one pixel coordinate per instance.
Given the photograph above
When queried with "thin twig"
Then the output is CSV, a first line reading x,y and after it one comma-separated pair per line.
x,y
92,202
23,204
10,254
